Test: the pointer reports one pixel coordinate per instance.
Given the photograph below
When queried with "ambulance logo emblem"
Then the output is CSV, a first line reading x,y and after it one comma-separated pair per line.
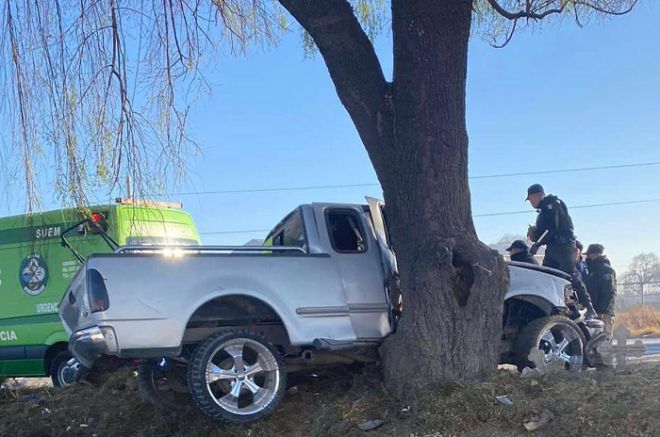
x,y
33,274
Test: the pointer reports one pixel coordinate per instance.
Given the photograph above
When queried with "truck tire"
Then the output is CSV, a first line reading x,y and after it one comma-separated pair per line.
x,y
163,385
237,377
592,357
557,336
58,374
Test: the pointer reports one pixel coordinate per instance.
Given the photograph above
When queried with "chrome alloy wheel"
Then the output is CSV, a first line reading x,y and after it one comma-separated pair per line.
x,y
561,342
242,376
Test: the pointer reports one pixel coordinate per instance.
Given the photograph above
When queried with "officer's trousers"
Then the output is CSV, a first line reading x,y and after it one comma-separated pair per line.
x,y
561,256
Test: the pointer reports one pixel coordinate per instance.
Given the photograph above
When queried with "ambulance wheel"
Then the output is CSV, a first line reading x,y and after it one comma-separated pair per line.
x,y
60,373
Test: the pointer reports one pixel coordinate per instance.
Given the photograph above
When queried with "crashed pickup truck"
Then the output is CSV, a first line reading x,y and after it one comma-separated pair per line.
x,y
224,324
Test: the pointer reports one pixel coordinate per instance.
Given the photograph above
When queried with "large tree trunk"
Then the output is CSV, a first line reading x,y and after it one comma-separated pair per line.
x,y
414,131
453,284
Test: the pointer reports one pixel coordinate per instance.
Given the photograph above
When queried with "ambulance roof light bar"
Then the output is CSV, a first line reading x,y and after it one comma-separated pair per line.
x,y
148,203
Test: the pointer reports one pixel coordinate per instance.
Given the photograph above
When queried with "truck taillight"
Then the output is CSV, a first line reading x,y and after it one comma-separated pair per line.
x,y
97,292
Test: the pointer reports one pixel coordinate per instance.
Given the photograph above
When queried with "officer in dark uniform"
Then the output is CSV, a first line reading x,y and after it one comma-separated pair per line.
x,y
554,229
519,251
601,282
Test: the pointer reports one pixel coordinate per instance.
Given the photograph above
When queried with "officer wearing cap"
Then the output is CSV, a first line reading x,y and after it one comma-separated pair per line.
x,y
601,281
519,251
554,229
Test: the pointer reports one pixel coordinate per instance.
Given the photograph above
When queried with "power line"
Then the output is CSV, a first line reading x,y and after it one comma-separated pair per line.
x,y
329,187
493,214
593,205
567,170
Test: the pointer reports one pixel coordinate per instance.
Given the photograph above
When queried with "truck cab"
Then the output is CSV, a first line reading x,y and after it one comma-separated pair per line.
x,y
349,238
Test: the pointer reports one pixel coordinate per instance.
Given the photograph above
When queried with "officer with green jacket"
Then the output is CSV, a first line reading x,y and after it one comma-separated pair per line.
x,y
554,229
601,283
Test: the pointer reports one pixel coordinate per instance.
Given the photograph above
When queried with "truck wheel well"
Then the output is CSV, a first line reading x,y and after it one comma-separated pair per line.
x,y
521,310
51,353
236,311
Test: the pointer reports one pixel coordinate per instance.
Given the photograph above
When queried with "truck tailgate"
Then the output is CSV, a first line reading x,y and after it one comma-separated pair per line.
x,y
72,308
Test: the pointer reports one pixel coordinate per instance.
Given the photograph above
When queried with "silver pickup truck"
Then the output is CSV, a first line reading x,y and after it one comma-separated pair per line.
x,y
223,325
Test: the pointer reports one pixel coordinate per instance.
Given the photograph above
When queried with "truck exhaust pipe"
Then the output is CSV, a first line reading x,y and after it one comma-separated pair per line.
x,y
307,355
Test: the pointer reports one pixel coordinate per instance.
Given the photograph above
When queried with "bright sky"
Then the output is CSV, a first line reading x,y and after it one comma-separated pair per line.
x,y
558,98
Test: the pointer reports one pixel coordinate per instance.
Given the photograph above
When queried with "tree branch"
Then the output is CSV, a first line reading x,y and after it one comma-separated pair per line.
x,y
351,61
530,12
526,13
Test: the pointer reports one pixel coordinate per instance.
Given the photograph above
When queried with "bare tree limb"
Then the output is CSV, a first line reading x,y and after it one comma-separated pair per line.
x,y
351,60
509,36
539,10
511,11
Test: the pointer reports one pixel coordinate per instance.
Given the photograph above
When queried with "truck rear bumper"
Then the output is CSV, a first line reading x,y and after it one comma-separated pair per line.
x,y
87,345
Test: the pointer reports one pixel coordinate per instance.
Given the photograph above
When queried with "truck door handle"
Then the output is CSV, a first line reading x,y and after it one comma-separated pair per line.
x,y
72,298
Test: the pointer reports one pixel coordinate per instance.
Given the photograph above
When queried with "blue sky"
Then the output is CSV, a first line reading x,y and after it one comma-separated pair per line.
x,y
558,97
561,97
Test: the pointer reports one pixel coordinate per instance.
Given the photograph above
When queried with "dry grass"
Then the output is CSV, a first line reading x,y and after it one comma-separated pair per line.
x,y
335,402
640,320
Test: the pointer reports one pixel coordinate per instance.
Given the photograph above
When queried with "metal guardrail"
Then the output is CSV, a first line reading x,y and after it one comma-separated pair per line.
x,y
208,249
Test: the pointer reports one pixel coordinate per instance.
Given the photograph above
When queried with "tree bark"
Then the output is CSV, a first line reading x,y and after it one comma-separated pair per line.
x,y
454,285
415,133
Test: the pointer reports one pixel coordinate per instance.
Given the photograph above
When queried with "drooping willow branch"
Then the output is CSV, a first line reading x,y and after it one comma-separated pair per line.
x,y
100,90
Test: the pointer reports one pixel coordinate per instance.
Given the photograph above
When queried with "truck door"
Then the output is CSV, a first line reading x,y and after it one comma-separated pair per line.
x,y
356,253
377,215
388,258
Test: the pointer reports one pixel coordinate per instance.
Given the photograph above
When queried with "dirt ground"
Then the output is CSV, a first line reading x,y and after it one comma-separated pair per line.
x,y
603,403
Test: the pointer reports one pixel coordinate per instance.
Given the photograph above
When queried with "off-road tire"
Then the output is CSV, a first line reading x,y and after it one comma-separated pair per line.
x,y
197,377
530,334
56,365
147,385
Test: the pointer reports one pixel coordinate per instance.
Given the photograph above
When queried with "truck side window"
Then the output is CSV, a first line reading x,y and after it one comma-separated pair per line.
x,y
290,232
345,230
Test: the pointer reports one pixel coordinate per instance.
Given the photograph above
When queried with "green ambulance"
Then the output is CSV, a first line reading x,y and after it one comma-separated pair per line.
x,y
36,267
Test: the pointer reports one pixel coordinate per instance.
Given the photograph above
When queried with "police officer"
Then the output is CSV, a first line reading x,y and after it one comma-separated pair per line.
x,y
601,282
554,229
519,251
